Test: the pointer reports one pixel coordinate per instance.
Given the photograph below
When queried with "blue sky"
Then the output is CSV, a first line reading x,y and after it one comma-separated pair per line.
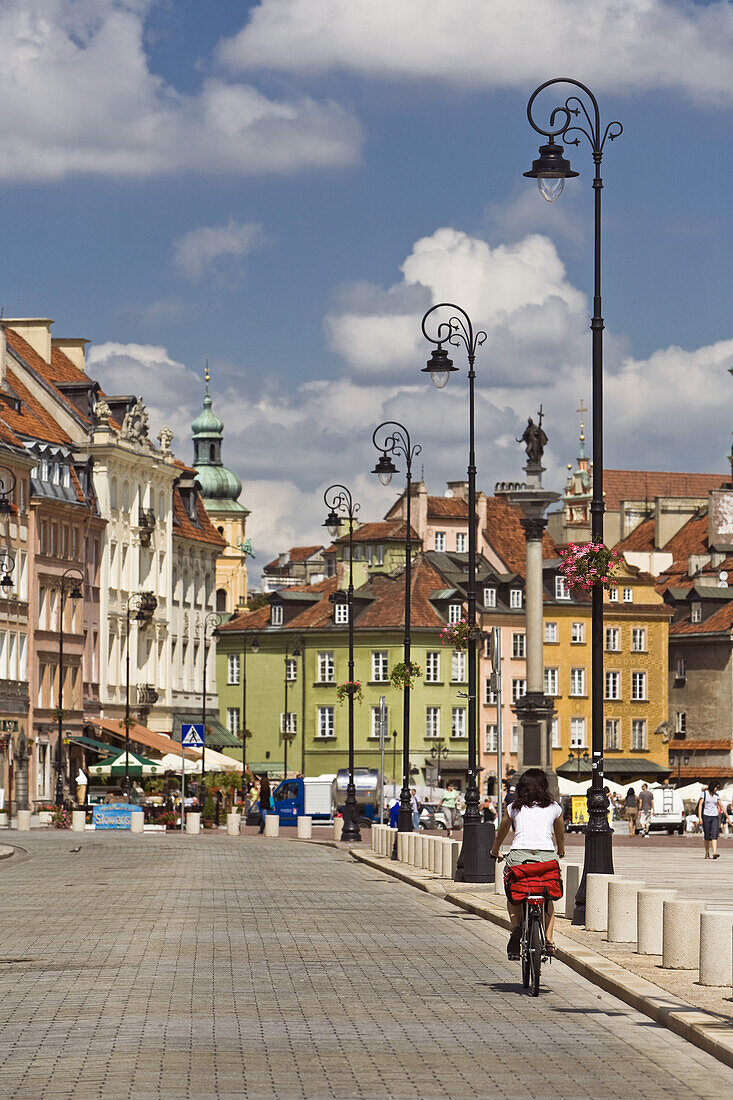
x,y
287,185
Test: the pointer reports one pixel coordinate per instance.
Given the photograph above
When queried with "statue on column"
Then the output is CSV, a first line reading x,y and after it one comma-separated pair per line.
x,y
534,439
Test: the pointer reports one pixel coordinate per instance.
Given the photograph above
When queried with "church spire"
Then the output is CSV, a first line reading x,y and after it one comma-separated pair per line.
x,y
582,456
217,482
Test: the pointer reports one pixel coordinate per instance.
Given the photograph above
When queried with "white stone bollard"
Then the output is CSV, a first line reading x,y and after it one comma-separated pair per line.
x,y
427,849
596,902
572,874
78,821
622,895
391,841
716,948
649,910
137,821
338,827
681,934
305,828
420,851
402,847
23,822
233,822
412,847
455,851
272,825
193,822
430,853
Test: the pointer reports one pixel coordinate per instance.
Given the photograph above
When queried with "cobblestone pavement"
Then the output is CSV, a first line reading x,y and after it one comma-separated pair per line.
x,y
206,967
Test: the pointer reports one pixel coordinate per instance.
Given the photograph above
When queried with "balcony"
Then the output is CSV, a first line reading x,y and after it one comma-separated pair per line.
x,y
146,524
147,696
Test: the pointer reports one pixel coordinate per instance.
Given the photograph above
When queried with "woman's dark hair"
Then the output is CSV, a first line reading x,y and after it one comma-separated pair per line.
x,y
713,786
532,790
631,793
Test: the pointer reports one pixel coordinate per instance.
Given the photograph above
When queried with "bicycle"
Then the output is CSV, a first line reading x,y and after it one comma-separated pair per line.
x,y
533,944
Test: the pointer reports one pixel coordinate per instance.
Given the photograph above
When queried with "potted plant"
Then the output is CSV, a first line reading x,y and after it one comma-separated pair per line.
x,y
590,564
209,813
403,673
349,687
458,635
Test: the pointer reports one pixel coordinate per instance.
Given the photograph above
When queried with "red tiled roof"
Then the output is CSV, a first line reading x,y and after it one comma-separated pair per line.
x,y
32,420
447,508
691,772
621,485
719,622
505,534
47,371
384,529
295,553
161,742
388,609
63,369
641,538
186,529
699,746
248,620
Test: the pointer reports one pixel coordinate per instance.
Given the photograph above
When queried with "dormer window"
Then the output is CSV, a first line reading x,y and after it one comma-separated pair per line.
x,y
44,469
276,615
461,543
341,614
696,613
515,598
489,597
562,592
455,612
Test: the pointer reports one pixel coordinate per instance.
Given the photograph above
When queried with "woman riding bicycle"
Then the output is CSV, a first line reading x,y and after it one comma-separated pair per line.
x,y
539,836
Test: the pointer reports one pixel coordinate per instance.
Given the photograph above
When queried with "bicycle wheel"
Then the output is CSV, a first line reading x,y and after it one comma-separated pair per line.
x,y
524,950
535,954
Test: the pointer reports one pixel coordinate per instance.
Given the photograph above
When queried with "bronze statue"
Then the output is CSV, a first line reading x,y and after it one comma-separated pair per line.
x,y
534,439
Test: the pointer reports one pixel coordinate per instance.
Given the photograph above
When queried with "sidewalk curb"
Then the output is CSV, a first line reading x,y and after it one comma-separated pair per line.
x,y
703,1030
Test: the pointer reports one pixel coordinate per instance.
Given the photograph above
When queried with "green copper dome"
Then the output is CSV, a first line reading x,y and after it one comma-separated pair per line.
x,y
220,487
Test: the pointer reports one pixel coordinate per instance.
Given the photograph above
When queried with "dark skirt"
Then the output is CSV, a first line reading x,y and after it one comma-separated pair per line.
x,y
711,826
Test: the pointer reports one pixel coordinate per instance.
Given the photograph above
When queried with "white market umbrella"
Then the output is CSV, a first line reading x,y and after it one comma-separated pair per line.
x,y
570,786
172,763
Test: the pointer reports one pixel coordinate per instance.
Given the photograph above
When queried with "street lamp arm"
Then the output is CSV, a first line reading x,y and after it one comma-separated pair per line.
x,y
457,330
396,442
571,109
339,499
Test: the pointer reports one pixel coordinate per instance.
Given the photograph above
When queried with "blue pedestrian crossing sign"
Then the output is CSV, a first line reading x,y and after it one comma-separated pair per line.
x,y
192,736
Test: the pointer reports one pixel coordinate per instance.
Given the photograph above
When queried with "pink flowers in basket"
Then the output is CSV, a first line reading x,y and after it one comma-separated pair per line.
x,y
590,564
457,634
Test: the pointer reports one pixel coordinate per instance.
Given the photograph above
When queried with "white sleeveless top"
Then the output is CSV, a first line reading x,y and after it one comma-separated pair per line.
x,y
533,826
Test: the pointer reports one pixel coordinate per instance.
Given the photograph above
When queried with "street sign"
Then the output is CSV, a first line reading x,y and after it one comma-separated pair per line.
x,y
192,737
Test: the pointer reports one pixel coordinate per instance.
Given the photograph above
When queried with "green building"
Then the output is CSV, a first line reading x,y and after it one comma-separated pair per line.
x,y
297,654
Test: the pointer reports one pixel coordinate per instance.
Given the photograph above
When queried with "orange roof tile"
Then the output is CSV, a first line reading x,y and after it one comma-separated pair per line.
x,y
505,534
447,508
699,746
641,539
186,529
383,529
621,485
32,420
46,370
720,622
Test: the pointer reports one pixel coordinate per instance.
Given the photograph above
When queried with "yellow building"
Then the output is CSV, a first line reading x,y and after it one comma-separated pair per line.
x,y
635,707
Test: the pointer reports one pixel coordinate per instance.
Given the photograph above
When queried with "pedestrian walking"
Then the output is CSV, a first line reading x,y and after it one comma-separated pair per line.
x,y
394,813
646,805
266,803
631,810
509,791
709,811
416,807
448,805
488,809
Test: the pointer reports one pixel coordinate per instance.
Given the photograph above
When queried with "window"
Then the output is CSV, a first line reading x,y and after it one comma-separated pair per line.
x,y
519,688
577,633
577,733
555,733
380,672
577,681
376,721
458,666
458,722
695,614
489,693
289,722
440,540
551,681
324,721
325,667
613,734
489,597
113,494
432,667
515,738
43,539
455,612
519,646
341,613
233,720
638,685
681,671
562,592
491,743
628,595
550,632
125,496
461,543
681,721
638,733
276,615
291,668
638,640
515,597
613,595
74,543
233,668
612,639
432,721
613,685
380,555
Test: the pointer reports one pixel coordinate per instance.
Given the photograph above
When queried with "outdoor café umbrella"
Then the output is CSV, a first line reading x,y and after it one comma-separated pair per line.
x,y
115,765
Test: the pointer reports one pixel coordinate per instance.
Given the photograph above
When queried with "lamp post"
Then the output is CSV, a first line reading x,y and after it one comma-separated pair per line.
x,y
144,605
578,756
255,647
457,329
7,487
211,625
70,583
286,734
395,440
338,499
551,169
438,753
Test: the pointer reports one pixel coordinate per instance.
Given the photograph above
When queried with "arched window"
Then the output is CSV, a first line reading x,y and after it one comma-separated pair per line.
x,y
221,599
125,496
113,493
212,452
161,506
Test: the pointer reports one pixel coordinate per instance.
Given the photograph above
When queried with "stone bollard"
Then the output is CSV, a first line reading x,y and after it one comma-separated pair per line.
x,y
78,821
137,821
649,908
402,847
681,934
411,847
622,903
233,822
23,822
427,853
382,840
193,822
716,948
436,856
572,874
338,827
272,825
305,828
420,851
455,851
596,902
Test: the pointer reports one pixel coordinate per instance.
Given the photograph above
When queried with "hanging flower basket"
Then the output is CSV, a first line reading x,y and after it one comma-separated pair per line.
x,y
458,635
402,674
349,687
589,565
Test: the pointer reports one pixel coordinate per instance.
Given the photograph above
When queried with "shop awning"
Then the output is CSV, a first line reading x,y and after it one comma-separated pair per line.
x,y
90,743
625,766
217,735
136,765
160,743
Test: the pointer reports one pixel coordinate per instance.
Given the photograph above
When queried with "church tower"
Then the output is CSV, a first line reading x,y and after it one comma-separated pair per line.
x,y
220,490
578,495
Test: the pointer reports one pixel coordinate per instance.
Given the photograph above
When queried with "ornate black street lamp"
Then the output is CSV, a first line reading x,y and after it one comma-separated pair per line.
x,y
287,735
255,647
7,485
578,755
457,329
439,753
70,584
395,440
144,605
338,499
211,630
551,169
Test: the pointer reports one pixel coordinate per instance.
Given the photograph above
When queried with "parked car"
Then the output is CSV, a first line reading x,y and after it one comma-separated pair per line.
x,y
668,811
431,817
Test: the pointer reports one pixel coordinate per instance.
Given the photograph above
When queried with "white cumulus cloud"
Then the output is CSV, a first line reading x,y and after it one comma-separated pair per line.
x,y
196,251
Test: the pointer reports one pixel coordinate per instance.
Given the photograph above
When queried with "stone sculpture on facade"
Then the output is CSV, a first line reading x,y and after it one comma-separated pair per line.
x,y
165,438
135,425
